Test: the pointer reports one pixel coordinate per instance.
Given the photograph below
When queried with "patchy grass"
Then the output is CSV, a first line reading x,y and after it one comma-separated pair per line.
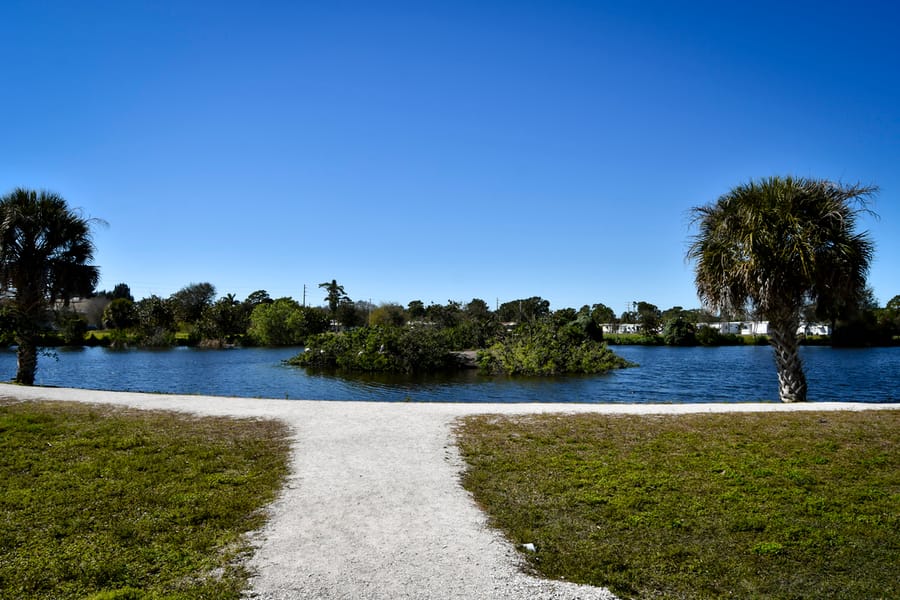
x,y
774,505
99,502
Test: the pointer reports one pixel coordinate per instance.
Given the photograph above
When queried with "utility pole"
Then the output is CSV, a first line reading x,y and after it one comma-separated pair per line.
x,y
304,295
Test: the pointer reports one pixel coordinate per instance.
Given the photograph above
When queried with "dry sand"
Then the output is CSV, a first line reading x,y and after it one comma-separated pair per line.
x,y
373,507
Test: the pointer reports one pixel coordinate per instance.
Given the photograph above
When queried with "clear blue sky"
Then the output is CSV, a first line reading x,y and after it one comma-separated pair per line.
x,y
438,151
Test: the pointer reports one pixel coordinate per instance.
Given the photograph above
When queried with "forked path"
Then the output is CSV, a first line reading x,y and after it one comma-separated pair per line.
x,y
373,507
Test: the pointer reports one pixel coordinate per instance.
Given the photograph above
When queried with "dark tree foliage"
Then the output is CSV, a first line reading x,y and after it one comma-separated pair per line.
x,y
445,315
526,309
225,320
120,314
256,298
649,317
334,295
46,252
190,301
416,310
121,290
156,321
679,331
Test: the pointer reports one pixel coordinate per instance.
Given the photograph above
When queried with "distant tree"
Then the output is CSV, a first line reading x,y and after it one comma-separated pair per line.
x,y
120,314
121,290
285,323
388,315
858,324
775,244
190,301
677,312
226,320
334,295
156,320
700,315
649,317
256,298
564,316
445,315
46,252
889,318
678,331
526,309
416,310
601,314
478,309
352,314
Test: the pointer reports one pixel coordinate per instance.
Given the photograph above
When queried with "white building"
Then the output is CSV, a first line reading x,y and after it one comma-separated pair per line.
x,y
762,328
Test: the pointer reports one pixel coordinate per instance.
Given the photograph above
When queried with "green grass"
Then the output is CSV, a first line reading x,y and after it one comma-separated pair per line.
x,y
99,502
767,505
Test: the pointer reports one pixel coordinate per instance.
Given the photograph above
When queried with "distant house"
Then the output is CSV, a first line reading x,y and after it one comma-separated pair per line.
x,y
621,327
762,328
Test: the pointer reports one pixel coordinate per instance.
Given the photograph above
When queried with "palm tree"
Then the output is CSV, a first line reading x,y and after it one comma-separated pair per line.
x,y
45,255
335,295
775,244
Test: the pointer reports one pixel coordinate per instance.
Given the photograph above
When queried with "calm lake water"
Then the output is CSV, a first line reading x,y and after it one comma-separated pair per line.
x,y
666,375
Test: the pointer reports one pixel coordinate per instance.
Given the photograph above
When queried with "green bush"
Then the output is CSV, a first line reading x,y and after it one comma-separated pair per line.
x,y
73,328
543,348
678,332
285,323
379,349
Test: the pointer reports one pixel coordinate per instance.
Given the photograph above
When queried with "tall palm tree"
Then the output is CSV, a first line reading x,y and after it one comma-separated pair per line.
x,y
775,244
45,255
335,295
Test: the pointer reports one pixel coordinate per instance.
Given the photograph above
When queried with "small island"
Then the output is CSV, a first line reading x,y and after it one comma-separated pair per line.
x,y
560,343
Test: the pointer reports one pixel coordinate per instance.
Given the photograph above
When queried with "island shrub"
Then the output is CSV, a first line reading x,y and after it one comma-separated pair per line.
x,y
554,345
545,348
472,334
420,349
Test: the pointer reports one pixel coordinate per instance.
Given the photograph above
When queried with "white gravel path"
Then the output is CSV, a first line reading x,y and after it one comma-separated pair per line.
x,y
373,507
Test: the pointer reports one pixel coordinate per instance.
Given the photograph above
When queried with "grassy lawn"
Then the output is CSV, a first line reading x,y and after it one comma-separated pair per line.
x,y
777,505
100,502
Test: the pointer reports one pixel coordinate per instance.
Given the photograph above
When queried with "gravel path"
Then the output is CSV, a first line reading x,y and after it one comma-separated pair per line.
x,y
373,507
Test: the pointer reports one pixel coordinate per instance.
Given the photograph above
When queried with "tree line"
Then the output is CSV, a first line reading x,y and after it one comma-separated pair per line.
x,y
779,249
195,315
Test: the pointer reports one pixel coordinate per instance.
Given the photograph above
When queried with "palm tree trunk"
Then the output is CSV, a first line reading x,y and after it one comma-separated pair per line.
x,y
791,378
26,360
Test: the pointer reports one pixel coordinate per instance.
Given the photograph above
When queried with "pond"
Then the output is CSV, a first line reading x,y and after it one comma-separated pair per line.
x,y
665,375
